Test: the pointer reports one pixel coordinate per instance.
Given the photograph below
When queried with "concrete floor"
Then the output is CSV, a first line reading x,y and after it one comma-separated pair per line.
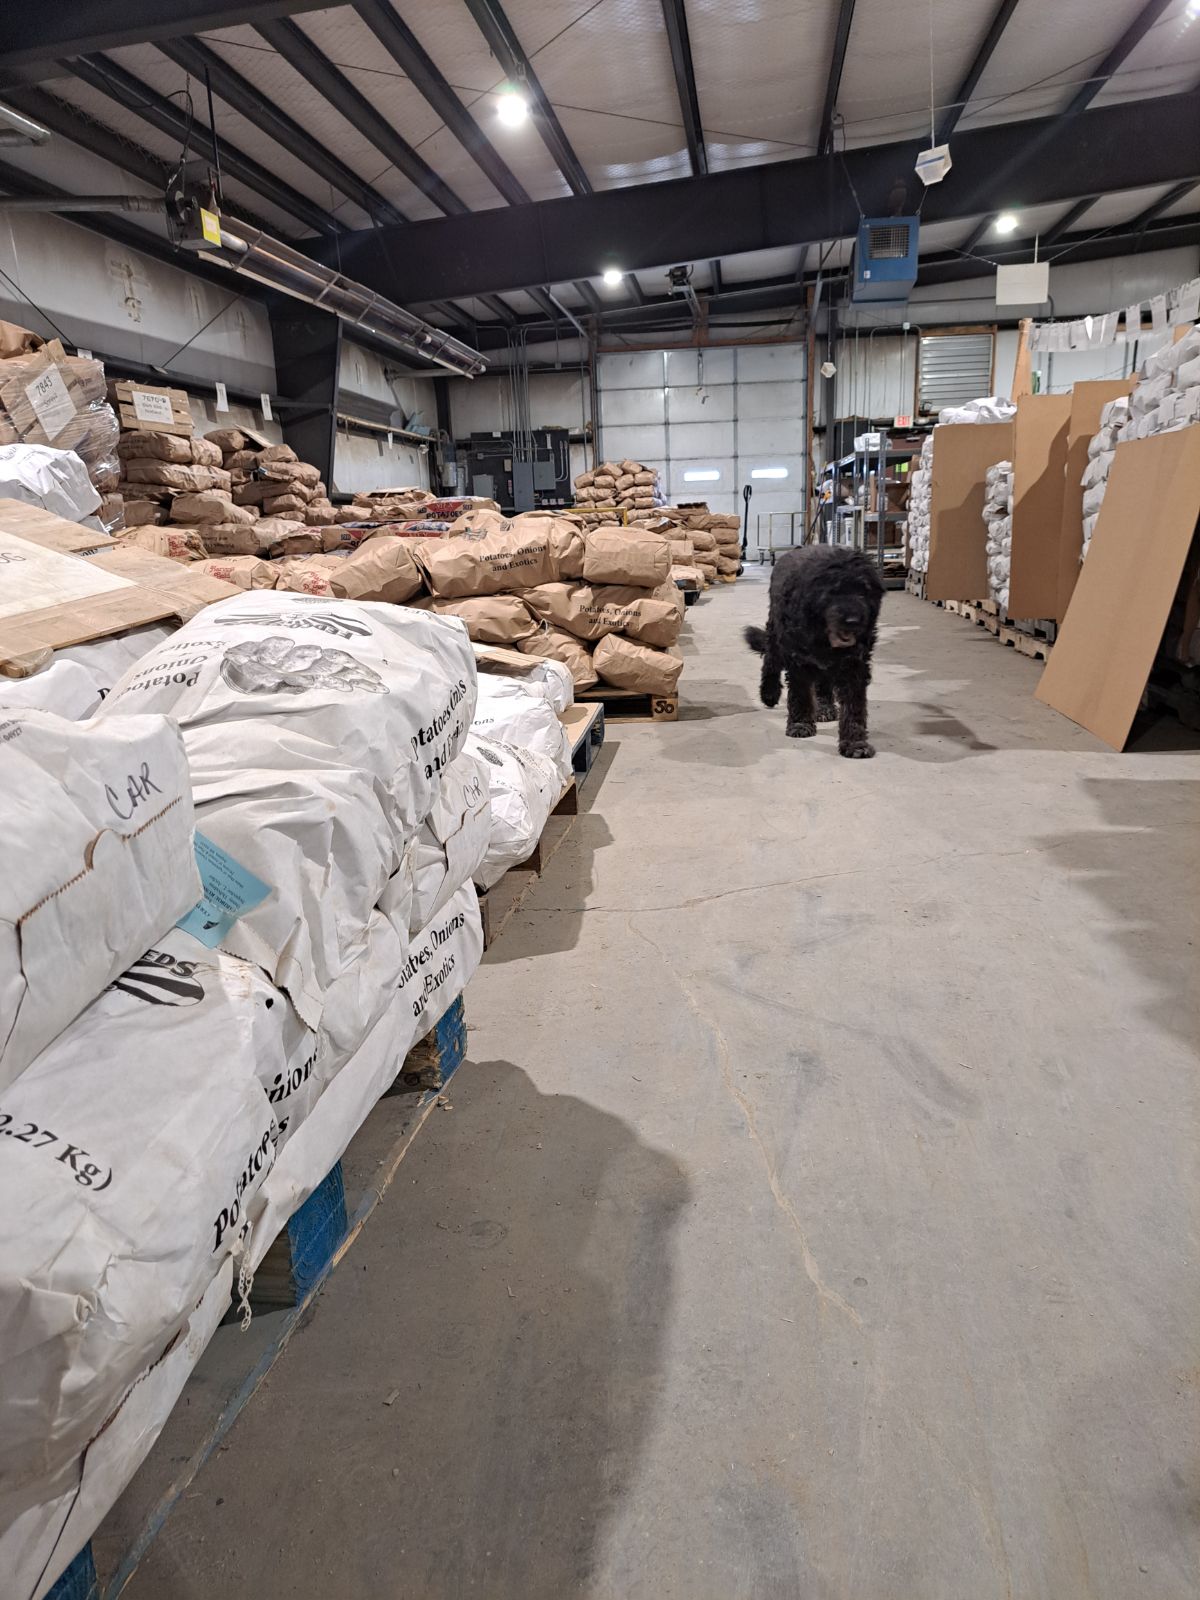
x,y
816,1215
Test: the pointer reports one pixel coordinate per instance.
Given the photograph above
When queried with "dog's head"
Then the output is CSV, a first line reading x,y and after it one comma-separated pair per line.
x,y
848,619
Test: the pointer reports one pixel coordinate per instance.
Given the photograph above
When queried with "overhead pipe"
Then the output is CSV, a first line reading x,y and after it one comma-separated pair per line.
x,y
254,254
82,202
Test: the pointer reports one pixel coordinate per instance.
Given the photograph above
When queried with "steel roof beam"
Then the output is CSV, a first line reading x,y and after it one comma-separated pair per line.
x,y
239,93
675,19
1052,128
39,36
405,49
1067,221
777,204
975,71
833,83
298,50
1176,233
1153,212
506,47
160,113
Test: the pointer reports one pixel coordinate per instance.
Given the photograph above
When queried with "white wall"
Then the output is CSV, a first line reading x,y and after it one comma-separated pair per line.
x,y
556,400
367,461
119,302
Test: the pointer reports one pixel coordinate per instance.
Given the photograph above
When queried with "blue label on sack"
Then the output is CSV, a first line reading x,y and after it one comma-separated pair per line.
x,y
229,890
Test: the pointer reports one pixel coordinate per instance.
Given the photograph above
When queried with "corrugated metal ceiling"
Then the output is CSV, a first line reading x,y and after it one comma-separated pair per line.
x,y
761,69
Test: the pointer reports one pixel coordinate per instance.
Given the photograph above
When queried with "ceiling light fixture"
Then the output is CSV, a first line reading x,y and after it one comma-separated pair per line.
x,y
1007,222
612,277
512,109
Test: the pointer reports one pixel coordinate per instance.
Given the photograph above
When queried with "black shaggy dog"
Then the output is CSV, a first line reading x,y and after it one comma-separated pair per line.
x,y
820,630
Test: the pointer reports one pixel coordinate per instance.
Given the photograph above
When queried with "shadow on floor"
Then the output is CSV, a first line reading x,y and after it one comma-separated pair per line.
x,y
523,1377
1143,867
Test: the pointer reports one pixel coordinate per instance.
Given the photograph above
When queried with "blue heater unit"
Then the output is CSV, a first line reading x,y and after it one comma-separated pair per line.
x,y
885,260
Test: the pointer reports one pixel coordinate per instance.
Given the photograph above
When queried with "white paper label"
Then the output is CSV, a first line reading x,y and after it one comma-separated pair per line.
x,y
222,398
264,403
391,439
1188,308
32,577
51,401
1158,312
151,407
1133,321
85,355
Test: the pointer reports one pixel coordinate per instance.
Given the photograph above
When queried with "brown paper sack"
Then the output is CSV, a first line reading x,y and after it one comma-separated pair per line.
x,y
159,447
176,544
282,505
210,505
244,572
278,452
590,613
204,452
492,618
635,666
702,539
143,513
243,461
626,556
728,565
500,562
188,480
381,569
227,439
556,645
232,538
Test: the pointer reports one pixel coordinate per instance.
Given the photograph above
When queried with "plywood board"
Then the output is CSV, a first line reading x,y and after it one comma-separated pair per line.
x,y
52,532
1087,402
1039,466
962,453
1114,625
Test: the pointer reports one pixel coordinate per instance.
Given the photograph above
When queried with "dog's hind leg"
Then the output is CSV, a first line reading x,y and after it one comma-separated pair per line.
x,y
800,723
770,685
852,714
826,704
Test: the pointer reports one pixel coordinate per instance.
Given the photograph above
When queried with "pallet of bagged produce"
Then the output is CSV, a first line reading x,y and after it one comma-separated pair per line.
x,y
630,705
585,724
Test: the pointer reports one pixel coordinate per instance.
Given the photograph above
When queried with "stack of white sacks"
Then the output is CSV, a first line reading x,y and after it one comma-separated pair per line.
x,y
174,1091
918,508
997,516
992,408
1166,397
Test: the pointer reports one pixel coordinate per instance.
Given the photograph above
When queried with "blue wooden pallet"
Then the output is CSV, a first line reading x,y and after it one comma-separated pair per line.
x,y
79,1581
584,753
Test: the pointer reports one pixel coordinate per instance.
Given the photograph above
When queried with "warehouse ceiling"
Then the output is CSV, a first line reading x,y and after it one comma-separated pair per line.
x,y
745,133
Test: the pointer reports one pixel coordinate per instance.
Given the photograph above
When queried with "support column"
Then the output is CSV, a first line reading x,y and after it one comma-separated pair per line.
x,y
308,348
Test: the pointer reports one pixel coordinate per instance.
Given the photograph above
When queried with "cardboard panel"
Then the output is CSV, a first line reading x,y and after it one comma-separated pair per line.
x,y
1113,627
1039,465
1087,402
962,453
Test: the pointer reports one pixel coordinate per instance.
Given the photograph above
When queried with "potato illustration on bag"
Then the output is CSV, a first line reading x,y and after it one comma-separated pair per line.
x,y
278,665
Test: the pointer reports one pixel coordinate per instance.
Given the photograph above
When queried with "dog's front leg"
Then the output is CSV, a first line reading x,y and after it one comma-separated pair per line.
x,y
852,712
801,723
826,704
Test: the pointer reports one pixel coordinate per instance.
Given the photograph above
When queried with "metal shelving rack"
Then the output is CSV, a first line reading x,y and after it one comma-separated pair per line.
x,y
852,523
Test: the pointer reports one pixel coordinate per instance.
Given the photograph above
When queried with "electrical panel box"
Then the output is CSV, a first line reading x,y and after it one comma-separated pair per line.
x,y
885,260
494,469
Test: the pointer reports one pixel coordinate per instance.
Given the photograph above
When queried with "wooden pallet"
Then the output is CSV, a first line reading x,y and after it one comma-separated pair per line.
x,y
1028,644
914,583
585,727
973,611
627,705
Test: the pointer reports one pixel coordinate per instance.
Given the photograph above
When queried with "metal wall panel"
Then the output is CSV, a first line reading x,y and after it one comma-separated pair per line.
x,y
713,403
692,367
636,406
633,371
635,443
776,437
699,438
681,489
771,363
771,400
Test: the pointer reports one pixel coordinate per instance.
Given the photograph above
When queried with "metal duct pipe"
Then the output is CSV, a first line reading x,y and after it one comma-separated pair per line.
x,y
70,202
257,255
17,130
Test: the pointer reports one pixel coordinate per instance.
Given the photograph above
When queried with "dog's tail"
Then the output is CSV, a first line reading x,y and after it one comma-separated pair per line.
x,y
756,638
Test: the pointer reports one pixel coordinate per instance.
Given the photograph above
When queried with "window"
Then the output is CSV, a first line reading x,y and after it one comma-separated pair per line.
x,y
769,472
705,475
954,368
